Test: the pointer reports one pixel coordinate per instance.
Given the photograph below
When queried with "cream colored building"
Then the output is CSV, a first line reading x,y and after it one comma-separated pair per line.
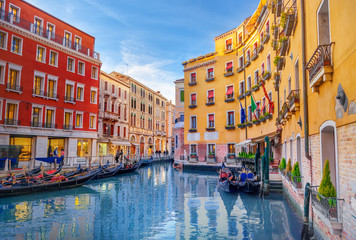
x,y
113,115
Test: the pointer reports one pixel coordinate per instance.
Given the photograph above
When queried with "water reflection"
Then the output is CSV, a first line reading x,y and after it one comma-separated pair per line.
x,y
156,202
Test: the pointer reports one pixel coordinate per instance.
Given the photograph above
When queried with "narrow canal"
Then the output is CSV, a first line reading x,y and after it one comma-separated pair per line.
x,y
155,202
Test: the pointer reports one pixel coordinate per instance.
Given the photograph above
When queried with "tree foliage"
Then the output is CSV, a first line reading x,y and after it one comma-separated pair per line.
x,y
326,187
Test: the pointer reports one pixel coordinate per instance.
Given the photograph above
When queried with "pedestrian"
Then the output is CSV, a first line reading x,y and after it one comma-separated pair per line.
x,y
121,154
55,152
62,152
117,155
49,152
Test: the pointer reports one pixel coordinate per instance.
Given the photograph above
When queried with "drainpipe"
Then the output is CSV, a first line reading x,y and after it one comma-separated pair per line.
x,y
305,93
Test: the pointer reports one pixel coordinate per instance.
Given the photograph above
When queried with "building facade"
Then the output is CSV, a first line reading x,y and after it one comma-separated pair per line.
x,y
113,115
147,119
49,79
178,128
285,73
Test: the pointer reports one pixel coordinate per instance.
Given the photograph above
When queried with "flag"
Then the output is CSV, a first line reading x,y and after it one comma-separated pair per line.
x,y
270,103
242,113
253,106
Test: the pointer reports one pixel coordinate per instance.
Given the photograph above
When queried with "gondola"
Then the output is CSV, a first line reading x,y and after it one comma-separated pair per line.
x,y
146,161
108,172
30,173
225,184
79,170
75,181
248,183
129,169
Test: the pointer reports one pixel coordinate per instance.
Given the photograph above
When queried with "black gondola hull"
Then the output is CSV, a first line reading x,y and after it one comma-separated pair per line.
x,y
249,186
228,186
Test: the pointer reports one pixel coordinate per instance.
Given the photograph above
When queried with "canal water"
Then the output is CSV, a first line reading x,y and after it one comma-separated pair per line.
x,y
155,202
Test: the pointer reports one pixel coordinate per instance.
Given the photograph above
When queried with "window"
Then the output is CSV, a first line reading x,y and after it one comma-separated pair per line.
x,y
3,40
113,89
241,61
211,120
49,118
118,131
270,96
68,121
15,13
230,92
53,58
323,23
119,92
240,38
231,148
81,68
249,113
14,80
69,92
36,117
16,45
52,88
258,109
193,77
38,26
124,132
262,68
210,73
289,85
228,44
261,36
242,88
38,86
269,63
78,43
67,39
119,110
193,99
193,149
94,72
248,55
11,114
80,92
249,83
41,54
176,142
228,68
92,122
210,96
163,115
193,122
230,118
211,149
267,27
50,30
2,72
106,86
70,64
79,120
296,72
256,77
181,94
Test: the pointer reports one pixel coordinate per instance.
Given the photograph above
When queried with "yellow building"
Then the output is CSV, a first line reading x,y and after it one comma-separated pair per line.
x,y
304,53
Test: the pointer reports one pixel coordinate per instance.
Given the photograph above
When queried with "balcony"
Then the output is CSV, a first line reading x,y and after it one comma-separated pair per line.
x,y
192,83
14,88
241,96
229,98
49,125
110,116
239,69
328,209
210,101
192,106
320,66
11,121
293,100
247,62
291,17
260,48
69,99
284,46
266,75
67,127
191,130
285,111
36,124
53,96
210,129
51,36
254,55
230,127
266,38
229,72
209,78
279,63
38,93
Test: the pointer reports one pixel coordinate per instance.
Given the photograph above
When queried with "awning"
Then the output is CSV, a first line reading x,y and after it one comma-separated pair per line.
x,y
243,143
135,144
121,143
194,97
229,65
262,138
230,90
211,94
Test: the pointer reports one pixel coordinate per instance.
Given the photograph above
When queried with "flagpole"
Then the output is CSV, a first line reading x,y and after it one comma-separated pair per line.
x,y
243,64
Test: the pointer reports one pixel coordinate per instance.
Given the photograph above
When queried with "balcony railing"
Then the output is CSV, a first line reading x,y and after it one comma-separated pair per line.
x,y
67,127
320,59
13,87
36,124
49,125
69,99
37,92
293,98
11,121
52,95
285,110
31,27
295,180
228,72
229,97
328,207
210,101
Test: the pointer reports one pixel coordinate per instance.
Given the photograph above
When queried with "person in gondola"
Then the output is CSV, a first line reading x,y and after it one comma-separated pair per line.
x,y
222,176
117,156
121,154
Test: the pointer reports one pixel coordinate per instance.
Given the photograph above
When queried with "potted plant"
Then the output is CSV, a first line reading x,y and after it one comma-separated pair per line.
x,y
266,75
289,168
284,42
326,187
231,155
193,155
275,31
296,175
282,165
283,19
211,155
255,87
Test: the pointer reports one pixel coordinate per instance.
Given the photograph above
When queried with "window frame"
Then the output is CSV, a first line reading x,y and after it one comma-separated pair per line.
x,y
83,73
56,58
207,72
40,117
18,12
208,120
16,68
96,72
191,122
227,117
190,148
20,42
72,83
81,121
190,77
207,95
2,74
82,86
15,102
54,30
73,64
43,82
207,148
43,54
233,91
6,34
70,39
53,121
241,89
94,125
196,99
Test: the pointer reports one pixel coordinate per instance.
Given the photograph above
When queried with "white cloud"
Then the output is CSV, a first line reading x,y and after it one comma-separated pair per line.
x,y
143,66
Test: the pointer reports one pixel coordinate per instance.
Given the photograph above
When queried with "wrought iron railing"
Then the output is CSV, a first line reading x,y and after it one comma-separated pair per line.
x,y
69,99
38,92
36,124
320,58
285,109
13,87
52,95
329,207
67,127
49,125
31,27
11,121
295,180
293,97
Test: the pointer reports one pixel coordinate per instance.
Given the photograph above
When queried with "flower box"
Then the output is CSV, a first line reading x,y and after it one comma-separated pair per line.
x,y
230,127
260,48
239,69
266,76
192,83
284,46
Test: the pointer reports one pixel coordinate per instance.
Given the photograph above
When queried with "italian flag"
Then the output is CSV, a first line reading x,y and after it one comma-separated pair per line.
x,y
253,106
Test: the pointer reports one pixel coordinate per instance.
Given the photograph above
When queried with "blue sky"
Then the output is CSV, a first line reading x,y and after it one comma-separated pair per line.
x,y
148,40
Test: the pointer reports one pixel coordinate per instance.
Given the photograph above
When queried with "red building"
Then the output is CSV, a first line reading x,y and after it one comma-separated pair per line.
x,y
49,80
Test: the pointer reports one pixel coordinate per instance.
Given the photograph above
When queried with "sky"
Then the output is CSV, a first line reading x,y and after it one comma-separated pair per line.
x,y
149,40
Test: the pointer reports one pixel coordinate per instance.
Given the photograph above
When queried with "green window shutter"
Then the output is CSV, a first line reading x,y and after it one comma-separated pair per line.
x,y
182,96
